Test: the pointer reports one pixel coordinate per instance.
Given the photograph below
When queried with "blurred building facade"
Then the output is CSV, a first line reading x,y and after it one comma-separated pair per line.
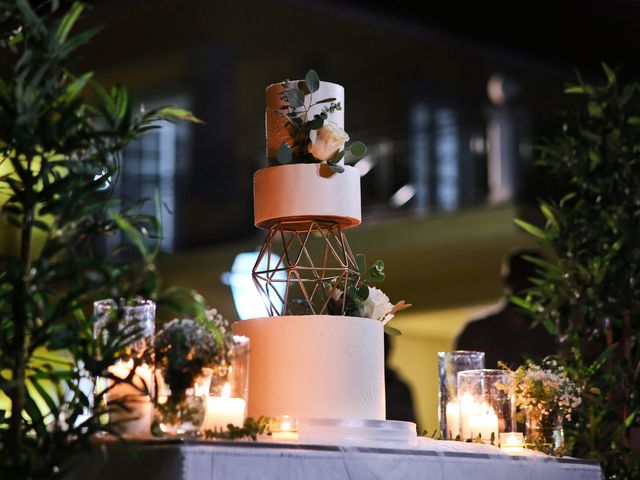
x,y
418,99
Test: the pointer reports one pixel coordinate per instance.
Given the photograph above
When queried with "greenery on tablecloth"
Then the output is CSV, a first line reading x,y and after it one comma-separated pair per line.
x,y
589,296
250,429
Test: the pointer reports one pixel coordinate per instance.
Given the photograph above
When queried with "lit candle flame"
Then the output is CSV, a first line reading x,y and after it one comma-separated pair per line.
x,y
226,390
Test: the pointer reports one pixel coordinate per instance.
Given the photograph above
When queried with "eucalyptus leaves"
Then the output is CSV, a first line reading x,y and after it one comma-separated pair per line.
x,y
312,137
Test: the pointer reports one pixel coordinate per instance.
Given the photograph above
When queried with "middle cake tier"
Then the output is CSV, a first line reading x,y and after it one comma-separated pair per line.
x,y
306,191
315,366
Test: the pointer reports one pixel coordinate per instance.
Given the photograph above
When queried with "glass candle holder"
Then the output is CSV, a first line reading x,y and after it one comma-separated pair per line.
x,y
512,442
544,430
449,364
284,427
229,388
128,403
135,317
487,404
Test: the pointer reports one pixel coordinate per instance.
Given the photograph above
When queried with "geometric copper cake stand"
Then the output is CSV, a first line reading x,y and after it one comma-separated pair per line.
x,y
312,259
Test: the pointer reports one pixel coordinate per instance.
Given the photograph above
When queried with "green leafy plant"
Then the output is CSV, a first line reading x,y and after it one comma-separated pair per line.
x,y
59,158
590,295
297,99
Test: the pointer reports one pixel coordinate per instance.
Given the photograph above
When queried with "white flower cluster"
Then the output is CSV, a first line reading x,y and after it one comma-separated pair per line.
x,y
219,321
548,389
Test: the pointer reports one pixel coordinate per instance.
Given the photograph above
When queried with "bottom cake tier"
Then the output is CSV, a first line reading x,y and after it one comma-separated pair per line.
x,y
315,366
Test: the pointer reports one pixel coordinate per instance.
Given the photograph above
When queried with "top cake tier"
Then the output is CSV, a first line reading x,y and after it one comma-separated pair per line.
x,y
314,184
276,130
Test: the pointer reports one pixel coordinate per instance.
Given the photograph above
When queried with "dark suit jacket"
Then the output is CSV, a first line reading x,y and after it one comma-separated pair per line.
x,y
506,335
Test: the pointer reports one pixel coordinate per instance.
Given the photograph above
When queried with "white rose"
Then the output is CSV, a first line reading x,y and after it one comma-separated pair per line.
x,y
330,138
377,306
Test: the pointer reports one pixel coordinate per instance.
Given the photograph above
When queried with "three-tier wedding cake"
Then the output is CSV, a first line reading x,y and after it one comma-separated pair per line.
x,y
321,362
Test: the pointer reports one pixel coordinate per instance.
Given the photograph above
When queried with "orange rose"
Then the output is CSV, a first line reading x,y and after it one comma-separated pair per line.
x,y
329,140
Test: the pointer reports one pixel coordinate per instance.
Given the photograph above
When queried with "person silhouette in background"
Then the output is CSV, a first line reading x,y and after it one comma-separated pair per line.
x,y
506,334
399,398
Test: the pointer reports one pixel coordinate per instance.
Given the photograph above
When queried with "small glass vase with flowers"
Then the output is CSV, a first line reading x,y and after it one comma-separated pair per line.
x,y
546,397
184,351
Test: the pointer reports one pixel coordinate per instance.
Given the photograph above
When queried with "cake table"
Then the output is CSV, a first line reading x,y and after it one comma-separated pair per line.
x,y
213,460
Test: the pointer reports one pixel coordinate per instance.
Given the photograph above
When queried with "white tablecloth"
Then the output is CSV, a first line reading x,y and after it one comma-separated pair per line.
x,y
430,459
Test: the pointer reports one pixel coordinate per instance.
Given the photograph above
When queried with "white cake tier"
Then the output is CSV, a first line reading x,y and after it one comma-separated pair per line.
x,y
306,191
277,132
315,366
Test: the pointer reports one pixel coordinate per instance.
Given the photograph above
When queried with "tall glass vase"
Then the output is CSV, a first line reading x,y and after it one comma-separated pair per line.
x,y
181,413
228,394
449,364
544,431
487,404
129,403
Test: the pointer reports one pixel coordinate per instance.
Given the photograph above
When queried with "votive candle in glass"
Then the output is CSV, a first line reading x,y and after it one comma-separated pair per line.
x,y
512,442
284,427
228,392
487,403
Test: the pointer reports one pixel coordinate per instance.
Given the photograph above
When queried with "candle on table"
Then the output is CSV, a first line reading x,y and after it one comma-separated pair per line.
x,y
484,423
136,418
223,410
284,428
512,442
453,420
285,435
477,419
467,409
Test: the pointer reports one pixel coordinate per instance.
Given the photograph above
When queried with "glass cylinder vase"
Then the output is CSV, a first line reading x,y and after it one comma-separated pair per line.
x,y
544,431
181,413
449,364
486,400
128,402
229,389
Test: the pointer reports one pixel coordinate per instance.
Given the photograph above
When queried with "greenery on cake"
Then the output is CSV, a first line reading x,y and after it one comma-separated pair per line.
x,y
328,143
362,299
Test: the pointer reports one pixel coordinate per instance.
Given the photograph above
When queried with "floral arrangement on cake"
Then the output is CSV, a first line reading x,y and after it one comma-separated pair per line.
x,y
315,139
362,299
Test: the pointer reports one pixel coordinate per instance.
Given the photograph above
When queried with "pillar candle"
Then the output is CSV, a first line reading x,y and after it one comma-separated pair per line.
x,y
468,408
453,420
484,423
223,410
135,420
